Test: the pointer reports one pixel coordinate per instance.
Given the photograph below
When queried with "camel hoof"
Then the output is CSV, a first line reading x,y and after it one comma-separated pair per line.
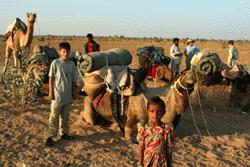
x,y
87,118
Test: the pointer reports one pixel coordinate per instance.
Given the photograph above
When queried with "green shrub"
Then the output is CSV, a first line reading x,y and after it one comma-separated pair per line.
x,y
20,86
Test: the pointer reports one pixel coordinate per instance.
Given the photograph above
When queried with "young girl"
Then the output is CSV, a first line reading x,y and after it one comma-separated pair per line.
x,y
154,138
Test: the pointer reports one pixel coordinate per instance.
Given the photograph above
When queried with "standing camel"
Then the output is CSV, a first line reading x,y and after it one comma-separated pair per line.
x,y
19,40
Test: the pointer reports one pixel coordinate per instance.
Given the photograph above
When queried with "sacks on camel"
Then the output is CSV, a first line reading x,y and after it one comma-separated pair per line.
x,y
206,62
156,54
44,54
40,61
18,23
96,60
93,85
207,66
113,78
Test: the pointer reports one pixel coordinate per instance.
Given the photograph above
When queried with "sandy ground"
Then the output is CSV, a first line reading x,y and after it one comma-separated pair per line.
x,y
22,134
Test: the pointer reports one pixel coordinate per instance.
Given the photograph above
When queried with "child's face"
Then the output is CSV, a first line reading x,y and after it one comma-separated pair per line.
x,y
154,113
64,54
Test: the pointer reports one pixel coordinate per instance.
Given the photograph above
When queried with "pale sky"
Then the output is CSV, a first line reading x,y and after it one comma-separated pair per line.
x,y
210,19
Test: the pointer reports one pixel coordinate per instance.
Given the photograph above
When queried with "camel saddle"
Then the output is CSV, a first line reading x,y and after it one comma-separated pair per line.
x,y
18,23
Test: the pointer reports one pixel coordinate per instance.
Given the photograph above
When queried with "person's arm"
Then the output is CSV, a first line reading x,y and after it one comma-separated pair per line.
x,y
98,48
51,89
74,88
75,78
52,72
86,48
172,53
185,52
140,155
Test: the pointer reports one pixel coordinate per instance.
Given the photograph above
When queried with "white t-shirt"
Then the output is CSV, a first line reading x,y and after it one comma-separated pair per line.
x,y
64,73
174,51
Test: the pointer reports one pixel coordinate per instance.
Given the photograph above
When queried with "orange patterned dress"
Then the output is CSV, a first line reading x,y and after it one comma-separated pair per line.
x,y
154,140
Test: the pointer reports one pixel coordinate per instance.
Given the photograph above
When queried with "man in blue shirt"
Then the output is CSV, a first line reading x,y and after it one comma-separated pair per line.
x,y
190,51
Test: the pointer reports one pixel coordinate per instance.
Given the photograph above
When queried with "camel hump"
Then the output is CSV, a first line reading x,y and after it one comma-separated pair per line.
x,y
17,24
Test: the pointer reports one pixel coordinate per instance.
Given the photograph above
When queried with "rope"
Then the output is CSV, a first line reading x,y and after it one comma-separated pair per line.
x,y
191,108
183,87
38,29
94,83
201,110
122,103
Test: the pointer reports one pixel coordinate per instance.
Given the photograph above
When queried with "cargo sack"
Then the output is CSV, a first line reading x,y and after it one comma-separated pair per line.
x,y
93,85
206,63
96,60
207,66
156,54
18,23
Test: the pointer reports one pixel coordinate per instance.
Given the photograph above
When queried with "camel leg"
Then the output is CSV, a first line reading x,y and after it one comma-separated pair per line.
x,y
7,57
88,112
19,61
130,126
15,54
129,130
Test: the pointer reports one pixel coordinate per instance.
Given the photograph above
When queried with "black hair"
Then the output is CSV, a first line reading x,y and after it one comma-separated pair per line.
x,y
158,101
231,42
176,39
89,35
64,45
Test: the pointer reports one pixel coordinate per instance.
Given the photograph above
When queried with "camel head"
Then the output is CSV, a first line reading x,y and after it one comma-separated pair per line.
x,y
188,78
31,17
178,97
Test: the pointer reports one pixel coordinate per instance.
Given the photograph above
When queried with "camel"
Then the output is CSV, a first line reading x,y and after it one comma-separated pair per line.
x,y
18,41
176,101
210,70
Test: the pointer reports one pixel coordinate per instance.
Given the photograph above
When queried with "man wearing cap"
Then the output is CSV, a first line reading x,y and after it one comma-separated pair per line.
x,y
190,51
175,54
91,45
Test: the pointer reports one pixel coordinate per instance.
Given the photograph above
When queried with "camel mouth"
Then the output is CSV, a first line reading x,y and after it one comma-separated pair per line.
x,y
32,21
190,84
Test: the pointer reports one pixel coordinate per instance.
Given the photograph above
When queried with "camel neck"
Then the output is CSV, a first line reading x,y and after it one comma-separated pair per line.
x,y
29,34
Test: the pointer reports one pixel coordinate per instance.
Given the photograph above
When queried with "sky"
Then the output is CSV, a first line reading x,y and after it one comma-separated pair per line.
x,y
206,19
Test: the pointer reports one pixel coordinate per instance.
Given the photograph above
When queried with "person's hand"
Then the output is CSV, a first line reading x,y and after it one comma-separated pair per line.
x,y
50,96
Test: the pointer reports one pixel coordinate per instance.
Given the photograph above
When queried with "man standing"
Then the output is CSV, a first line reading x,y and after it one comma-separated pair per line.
x,y
190,51
175,54
233,56
91,45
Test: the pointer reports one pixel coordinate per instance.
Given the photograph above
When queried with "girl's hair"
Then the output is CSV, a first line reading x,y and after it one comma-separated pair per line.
x,y
158,101
64,45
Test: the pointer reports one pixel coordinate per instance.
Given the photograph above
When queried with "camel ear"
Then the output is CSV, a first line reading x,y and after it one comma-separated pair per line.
x,y
34,14
27,14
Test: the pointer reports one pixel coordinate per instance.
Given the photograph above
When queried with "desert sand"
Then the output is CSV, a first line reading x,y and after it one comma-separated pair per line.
x,y
22,134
